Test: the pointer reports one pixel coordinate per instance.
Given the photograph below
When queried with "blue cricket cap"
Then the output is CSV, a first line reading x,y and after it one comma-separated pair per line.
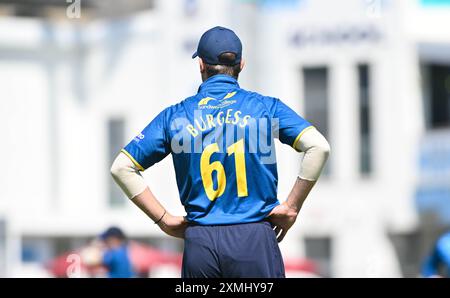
x,y
112,232
216,41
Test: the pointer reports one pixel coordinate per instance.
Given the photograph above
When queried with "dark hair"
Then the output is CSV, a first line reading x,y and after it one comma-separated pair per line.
x,y
226,66
113,232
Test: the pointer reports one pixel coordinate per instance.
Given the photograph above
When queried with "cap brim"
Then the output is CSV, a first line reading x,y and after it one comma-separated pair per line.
x,y
194,55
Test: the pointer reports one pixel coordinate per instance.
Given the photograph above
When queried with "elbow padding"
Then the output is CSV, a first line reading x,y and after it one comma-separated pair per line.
x,y
316,149
127,176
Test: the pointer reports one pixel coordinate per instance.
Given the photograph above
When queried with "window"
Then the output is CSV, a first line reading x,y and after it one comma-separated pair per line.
x,y
116,136
365,152
437,95
36,249
318,250
315,82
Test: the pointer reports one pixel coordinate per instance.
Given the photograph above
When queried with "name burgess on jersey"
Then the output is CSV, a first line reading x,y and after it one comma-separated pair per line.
x,y
210,121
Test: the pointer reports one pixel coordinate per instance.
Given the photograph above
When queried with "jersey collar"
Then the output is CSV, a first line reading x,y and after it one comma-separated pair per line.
x,y
219,82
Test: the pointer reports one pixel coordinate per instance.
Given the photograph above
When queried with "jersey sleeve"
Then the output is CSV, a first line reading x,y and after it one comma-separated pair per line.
x,y
291,125
151,145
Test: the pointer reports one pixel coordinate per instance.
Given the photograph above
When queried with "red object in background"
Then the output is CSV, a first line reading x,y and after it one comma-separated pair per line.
x,y
59,266
304,265
142,256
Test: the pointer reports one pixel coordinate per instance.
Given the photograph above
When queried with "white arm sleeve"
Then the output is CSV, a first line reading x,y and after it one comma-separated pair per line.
x,y
127,176
316,149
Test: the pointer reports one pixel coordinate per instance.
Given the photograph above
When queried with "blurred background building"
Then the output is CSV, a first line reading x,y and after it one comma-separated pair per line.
x,y
79,79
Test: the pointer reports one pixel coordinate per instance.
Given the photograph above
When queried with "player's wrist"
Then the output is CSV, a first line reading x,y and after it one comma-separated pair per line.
x,y
292,207
165,220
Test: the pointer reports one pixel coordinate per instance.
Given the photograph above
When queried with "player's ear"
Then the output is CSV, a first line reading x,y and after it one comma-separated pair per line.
x,y
242,64
202,65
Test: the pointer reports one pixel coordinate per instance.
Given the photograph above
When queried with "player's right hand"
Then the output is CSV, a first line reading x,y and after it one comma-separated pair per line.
x,y
173,225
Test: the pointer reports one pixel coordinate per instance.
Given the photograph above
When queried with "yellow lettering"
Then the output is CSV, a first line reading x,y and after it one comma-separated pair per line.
x,y
192,130
236,117
210,120
206,170
202,128
227,118
220,118
238,149
244,121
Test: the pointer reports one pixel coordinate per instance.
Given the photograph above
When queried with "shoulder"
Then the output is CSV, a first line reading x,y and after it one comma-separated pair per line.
x,y
256,96
178,109
267,102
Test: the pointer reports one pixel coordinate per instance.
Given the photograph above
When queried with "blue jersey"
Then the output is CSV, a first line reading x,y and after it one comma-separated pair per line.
x,y
117,262
222,145
440,256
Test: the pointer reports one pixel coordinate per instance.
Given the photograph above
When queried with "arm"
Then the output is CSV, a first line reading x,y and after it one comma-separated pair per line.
x,y
316,150
127,176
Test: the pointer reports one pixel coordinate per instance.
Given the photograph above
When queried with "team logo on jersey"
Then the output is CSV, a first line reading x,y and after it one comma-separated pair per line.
x,y
213,103
139,137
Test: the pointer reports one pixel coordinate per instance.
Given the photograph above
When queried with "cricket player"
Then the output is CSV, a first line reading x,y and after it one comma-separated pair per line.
x,y
112,253
222,144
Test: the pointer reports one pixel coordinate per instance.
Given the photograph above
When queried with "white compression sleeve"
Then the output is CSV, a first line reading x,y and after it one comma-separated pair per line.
x,y
127,176
316,149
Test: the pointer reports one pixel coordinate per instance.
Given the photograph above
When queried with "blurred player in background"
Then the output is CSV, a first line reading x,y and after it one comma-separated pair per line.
x,y
112,253
222,144
438,259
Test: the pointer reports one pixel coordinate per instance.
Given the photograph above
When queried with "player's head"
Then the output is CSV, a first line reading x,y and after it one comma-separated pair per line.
x,y
113,237
220,52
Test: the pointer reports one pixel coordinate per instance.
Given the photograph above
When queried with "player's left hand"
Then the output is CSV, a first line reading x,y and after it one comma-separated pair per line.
x,y
282,218
173,225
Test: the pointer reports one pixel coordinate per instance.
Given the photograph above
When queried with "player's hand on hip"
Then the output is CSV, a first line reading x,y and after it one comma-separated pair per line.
x,y
282,218
173,225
